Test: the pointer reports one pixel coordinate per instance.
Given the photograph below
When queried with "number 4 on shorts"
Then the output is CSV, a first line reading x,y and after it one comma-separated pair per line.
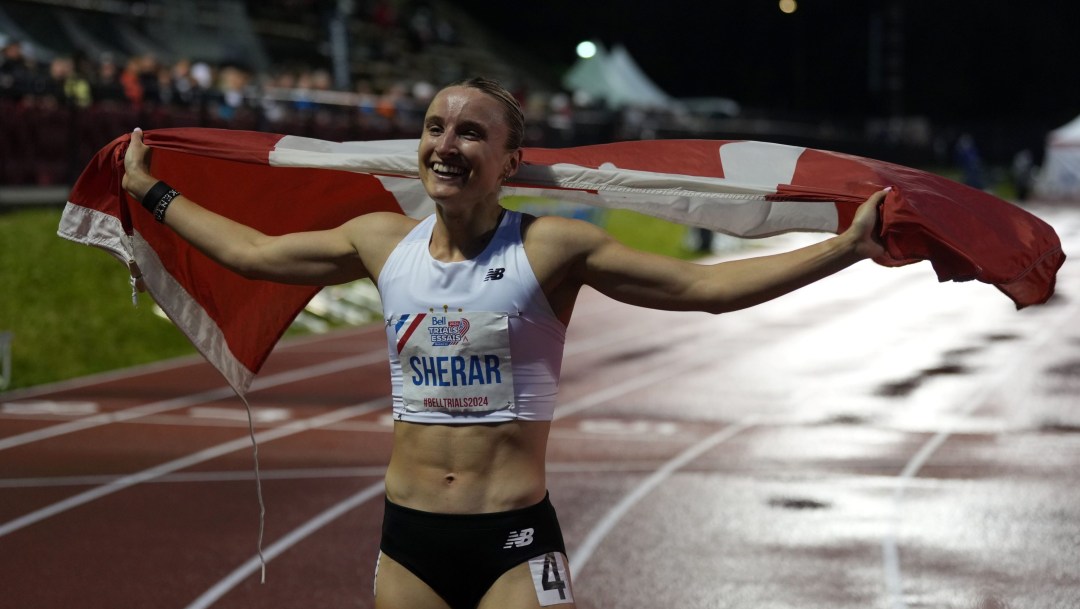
x,y
551,579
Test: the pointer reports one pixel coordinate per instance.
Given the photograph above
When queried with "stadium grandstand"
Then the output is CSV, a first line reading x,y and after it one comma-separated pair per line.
x,y
76,74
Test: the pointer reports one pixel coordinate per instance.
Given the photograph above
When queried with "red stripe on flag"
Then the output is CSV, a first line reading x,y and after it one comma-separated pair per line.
x,y
242,146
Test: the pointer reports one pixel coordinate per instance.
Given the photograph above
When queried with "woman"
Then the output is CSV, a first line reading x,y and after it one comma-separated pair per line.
x,y
476,301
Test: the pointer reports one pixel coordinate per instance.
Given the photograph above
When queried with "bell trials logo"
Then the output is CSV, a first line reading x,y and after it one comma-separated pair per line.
x,y
495,274
444,332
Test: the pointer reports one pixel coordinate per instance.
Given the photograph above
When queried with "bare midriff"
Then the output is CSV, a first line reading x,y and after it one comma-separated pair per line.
x,y
468,469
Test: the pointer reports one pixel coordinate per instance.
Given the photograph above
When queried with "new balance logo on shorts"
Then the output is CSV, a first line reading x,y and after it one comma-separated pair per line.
x,y
519,539
495,274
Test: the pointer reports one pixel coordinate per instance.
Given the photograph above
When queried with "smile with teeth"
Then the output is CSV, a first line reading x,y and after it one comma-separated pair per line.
x,y
447,170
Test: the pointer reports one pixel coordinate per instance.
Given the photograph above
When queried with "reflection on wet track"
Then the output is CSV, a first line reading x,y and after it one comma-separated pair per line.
x,y
875,440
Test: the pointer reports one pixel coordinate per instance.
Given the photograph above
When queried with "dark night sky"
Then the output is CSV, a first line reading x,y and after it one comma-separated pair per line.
x,y
960,60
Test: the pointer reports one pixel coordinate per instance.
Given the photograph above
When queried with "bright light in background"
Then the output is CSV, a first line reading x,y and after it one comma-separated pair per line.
x,y
586,49
788,6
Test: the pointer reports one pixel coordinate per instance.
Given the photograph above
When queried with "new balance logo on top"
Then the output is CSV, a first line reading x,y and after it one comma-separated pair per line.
x,y
495,274
519,539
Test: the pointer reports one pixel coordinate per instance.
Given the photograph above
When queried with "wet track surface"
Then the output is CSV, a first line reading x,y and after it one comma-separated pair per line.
x,y
875,440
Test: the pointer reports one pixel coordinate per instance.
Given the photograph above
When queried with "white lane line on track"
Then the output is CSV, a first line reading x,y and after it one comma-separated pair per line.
x,y
318,473
638,382
172,466
894,584
220,393
376,356
292,538
244,475
189,460
615,514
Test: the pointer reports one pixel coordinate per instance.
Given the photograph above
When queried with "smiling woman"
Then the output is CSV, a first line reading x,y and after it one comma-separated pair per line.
x,y
476,300
470,145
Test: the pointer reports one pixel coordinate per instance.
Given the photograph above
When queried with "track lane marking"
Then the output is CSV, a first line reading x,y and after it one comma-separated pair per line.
x,y
894,585
377,356
277,548
189,460
172,466
211,395
597,534
317,473
245,475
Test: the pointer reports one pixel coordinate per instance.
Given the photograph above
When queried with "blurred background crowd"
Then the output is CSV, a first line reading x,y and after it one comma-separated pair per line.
x,y
75,74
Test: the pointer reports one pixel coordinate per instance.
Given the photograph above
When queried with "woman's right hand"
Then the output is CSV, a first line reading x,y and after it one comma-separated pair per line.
x,y
137,179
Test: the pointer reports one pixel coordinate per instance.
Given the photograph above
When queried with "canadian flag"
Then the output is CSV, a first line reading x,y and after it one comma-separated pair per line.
x,y
281,184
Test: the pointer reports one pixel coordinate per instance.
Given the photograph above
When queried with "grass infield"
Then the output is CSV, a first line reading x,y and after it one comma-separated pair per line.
x,y
68,306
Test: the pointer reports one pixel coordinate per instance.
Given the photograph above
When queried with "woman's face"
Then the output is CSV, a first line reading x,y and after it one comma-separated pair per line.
x,y
463,155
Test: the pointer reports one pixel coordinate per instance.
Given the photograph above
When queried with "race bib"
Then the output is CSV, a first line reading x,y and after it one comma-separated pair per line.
x,y
455,362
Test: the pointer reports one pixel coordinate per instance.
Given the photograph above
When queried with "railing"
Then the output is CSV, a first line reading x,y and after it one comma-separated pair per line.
x,y
46,144
43,143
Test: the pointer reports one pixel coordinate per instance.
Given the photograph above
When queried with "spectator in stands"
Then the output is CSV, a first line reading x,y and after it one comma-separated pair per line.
x,y
106,86
967,157
1023,173
147,74
185,90
129,79
232,92
73,88
15,71
421,27
50,88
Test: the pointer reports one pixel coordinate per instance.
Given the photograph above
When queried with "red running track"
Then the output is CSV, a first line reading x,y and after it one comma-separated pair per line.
x,y
767,458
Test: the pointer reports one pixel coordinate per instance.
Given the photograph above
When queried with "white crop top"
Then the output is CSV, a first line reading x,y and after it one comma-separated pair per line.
x,y
474,341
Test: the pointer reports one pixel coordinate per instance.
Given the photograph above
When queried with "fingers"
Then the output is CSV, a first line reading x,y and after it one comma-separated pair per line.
x,y
136,178
867,211
865,226
875,199
137,144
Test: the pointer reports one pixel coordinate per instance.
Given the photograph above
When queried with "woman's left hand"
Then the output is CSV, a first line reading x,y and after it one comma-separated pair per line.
x,y
866,225
137,179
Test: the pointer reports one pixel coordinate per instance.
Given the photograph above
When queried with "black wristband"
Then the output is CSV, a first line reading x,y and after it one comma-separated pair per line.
x,y
157,199
152,196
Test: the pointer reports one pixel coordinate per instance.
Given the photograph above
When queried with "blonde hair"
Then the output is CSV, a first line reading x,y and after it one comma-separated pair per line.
x,y
515,118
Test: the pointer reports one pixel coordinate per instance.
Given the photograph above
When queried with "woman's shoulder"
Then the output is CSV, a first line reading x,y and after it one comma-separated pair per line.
x,y
382,224
554,243
376,234
557,231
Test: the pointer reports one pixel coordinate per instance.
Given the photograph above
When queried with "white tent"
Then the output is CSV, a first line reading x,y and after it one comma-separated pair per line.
x,y
615,78
1059,178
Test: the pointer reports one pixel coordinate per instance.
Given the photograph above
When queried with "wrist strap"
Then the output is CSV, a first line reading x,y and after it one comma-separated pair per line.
x,y
157,199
